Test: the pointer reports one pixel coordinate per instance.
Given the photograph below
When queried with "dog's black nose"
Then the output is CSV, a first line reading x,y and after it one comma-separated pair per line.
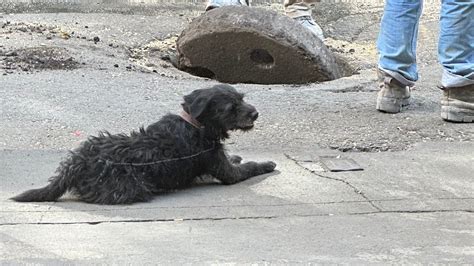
x,y
254,115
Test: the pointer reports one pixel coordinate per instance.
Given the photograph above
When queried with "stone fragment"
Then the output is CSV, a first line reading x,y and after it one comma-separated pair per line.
x,y
237,44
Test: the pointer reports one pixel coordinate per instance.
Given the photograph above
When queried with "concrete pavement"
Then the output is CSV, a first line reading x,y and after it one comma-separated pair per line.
x,y
411,206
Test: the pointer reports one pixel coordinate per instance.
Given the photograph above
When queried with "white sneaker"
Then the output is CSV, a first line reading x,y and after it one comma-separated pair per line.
x,y
311,25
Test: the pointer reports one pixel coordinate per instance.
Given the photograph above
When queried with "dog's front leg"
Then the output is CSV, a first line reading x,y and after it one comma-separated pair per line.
x,y
229,173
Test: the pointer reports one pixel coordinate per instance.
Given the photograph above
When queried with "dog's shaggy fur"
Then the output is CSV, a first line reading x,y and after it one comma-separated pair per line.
x,y
169,154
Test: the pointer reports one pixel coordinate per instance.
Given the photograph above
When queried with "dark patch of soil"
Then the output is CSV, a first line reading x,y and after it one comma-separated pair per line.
x,y
37,58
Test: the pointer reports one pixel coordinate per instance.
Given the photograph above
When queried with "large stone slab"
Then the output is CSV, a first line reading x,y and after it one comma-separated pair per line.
x,y
252,45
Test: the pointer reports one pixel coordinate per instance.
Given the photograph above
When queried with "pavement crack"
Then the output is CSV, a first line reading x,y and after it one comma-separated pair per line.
x,y
237,218
147,220
48,210
421,211
356,190
428,211
187,207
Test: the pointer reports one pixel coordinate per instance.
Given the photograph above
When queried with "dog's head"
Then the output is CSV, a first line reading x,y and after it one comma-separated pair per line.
x,y
220,107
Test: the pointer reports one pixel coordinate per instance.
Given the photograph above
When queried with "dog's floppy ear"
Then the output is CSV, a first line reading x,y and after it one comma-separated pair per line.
x,y
198,106
196,102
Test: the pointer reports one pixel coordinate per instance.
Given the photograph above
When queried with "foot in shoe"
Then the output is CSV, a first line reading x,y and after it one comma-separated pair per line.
x,y
309,23
457,104
393,95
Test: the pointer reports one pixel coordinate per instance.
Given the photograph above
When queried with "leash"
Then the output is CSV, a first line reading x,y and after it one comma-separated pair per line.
x,y
109,163
186,117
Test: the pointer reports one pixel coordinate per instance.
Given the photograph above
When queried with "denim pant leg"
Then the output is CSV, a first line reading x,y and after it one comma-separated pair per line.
x,y
456,43
396,43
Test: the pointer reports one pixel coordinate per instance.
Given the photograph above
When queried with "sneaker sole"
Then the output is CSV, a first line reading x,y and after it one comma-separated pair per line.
x,y
455,114
391,105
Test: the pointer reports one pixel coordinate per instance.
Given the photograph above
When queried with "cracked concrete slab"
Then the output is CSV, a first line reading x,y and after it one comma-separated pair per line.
x,y
289,191
429,176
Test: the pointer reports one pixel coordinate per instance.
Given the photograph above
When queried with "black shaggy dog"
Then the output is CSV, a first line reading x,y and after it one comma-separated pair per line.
x,y
169,154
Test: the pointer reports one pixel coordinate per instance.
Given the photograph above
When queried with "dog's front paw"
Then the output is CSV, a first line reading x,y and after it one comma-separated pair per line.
x,y
235,159
268,166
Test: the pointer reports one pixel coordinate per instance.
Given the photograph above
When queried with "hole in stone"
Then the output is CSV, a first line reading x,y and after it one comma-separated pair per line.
x,y
262,57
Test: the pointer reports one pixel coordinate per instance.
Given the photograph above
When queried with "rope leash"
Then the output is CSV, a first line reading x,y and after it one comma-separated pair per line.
x,y
109,163
158,162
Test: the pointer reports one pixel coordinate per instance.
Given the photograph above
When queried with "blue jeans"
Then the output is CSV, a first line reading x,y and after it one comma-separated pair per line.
x,y
398,35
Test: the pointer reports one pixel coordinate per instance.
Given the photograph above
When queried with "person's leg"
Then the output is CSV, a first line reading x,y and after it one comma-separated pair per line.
x,y
456,54
456,43
300,10
396,45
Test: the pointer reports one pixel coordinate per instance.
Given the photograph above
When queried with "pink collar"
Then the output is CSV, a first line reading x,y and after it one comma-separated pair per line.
x,y
188,118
